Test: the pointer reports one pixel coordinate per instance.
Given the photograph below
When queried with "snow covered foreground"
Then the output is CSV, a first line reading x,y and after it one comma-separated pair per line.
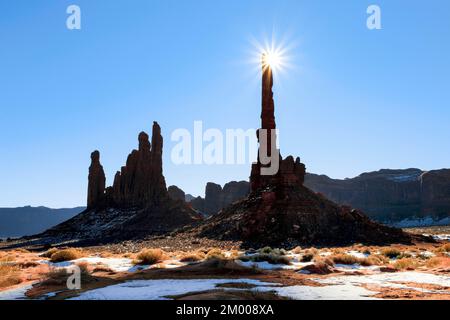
x,y
333,288
158,289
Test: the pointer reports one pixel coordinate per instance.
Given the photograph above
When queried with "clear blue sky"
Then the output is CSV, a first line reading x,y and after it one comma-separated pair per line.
x,y
358,100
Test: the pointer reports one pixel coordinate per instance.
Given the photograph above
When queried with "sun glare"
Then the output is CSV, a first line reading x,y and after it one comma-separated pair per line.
x,y
272,59
271,54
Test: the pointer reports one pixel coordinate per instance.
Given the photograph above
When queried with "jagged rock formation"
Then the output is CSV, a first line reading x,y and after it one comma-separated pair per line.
x,y
289,172
176,193
140,183
391,196
136,205
96,182
281,211
217,198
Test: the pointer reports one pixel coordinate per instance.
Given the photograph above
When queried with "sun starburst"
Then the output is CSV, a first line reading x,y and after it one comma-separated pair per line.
x,y
273,54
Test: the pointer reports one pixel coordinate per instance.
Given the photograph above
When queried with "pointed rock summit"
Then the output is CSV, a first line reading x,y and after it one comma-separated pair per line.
x,y
140,183
96,182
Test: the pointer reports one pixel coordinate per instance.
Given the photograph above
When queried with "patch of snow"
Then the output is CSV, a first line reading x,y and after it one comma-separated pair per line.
x,y
355,267
16,293
439,237
334,292
116,264
357,254
391,280
404,177
426,254
268,266
420,222
159,289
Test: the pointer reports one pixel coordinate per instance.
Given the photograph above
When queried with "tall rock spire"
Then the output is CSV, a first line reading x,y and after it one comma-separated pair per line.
x,y
267,103
288,172
96,182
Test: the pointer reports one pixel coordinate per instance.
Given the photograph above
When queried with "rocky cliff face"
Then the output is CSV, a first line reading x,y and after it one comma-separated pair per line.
x,y
176,193
217,198
390,195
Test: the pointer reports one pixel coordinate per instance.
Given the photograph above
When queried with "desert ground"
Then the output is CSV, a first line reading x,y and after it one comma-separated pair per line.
x,y
201,269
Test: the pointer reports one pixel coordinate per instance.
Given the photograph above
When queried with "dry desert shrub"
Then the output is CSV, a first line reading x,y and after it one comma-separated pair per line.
x,y
297,250
66,255
391,252
344,259
215,253
444,248
22,250
320,261
149,256
49,252
102,268
192,257
307,257
435,262
56,276
405,263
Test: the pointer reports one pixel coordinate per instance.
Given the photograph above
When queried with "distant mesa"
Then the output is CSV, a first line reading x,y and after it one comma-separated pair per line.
x,y
176,193
410,197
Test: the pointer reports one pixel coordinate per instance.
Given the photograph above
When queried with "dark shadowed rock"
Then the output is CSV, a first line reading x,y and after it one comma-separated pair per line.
x,y
217,198
96,182
176,193
212,198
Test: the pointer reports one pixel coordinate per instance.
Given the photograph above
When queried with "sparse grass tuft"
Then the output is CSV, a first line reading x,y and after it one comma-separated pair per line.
x,y
344,259
215,253
193,257
276,256
9,274
434,262
405,263
307,257
149,256
66,255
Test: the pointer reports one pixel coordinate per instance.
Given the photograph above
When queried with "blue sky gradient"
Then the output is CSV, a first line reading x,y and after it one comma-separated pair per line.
x,y
356,100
